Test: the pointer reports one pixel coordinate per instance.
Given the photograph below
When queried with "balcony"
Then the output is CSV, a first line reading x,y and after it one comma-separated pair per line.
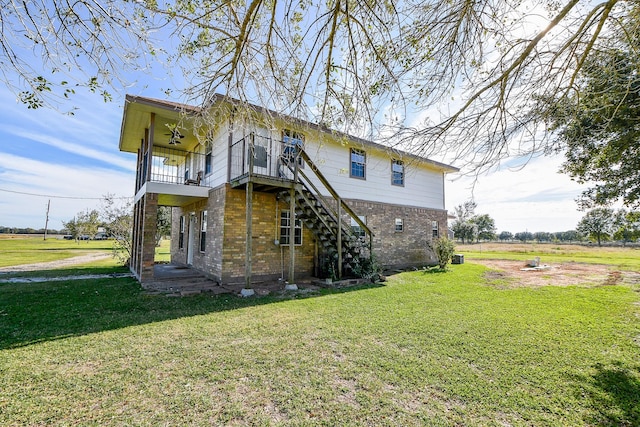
x,y
177,176
264,161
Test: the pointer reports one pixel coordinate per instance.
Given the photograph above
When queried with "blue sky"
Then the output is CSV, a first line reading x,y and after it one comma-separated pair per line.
x,y
71,160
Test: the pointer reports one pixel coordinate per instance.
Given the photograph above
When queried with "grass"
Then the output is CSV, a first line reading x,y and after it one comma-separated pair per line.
x,y
427,348
619,257
163,252
29,250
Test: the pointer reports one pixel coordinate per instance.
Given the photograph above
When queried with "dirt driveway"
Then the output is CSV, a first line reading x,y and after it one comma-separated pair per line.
x,y
68,262
510,274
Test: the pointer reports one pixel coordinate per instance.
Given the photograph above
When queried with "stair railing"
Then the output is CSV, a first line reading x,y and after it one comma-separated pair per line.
x,y
309,186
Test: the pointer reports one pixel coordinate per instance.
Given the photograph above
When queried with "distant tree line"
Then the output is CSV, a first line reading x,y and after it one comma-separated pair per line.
x,y
541,236
598,225
29,230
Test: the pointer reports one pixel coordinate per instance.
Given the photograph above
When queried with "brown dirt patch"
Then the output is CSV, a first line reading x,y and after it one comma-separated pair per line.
x,y
510,274
62,263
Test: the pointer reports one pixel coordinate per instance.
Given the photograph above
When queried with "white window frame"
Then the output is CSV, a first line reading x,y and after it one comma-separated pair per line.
x,y
285,227
397,164
203,230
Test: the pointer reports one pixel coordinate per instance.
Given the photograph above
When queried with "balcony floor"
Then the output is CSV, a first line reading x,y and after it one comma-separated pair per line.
x,y
262,183
173,194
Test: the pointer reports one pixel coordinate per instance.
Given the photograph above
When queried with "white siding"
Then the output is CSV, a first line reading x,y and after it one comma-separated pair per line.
x,y
220,154
424,186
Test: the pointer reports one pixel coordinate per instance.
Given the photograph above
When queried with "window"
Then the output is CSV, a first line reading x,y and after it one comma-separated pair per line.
x,y
208,160
285,224
292,142
203,231
397,172
434,229
357,230
181,234
260,158
399,225
358,163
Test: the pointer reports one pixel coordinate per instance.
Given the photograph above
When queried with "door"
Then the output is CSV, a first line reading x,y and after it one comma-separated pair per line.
x,y
191,244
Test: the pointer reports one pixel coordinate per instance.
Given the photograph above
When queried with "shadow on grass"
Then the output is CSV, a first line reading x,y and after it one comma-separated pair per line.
x,y
38,312
434,270
62,272
614,392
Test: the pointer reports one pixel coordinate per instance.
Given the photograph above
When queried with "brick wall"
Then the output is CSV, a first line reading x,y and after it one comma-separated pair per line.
x,y
400,249
267,256
147,242
224,257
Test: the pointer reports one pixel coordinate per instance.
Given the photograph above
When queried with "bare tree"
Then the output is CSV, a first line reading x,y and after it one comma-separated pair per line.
x,y
373,69
117,216
50,49
355,57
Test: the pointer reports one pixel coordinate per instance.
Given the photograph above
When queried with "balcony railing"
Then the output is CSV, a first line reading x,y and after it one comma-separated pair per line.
x,y
173,166
270,157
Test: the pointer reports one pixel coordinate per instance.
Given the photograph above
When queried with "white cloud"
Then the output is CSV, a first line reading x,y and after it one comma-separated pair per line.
x,y
535,198
23,175
85,150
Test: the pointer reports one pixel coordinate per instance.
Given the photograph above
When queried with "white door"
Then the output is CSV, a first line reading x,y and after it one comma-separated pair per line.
x,y
193,226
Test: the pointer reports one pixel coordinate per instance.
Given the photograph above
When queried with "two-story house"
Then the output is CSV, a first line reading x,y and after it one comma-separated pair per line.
x,y
260,196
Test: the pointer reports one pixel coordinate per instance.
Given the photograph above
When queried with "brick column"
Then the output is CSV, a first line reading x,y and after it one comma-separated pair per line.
x,y
148,236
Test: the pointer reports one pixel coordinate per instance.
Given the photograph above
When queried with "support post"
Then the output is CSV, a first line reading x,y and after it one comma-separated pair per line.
x,y
339,200
249,247
292,225
248,257
292,234
150,139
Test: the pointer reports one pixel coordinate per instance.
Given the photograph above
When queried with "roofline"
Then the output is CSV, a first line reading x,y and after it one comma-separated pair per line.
x,y
219,98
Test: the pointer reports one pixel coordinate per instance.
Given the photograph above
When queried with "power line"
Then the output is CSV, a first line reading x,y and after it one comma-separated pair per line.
x,y
61,197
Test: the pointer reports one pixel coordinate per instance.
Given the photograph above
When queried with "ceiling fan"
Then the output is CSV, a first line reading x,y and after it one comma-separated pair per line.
x,y
175,136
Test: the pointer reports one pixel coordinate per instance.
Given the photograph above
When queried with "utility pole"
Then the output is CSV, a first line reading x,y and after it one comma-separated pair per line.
x,y
46,223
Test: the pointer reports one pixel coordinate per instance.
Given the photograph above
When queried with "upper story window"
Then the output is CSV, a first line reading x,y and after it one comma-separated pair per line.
x,y
358,163
292,142
397,172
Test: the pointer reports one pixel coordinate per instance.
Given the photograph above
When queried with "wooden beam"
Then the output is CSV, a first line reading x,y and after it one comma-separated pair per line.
x,y
339,237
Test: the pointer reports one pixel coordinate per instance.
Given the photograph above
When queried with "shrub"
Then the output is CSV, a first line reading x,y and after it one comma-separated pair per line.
x,y
444,249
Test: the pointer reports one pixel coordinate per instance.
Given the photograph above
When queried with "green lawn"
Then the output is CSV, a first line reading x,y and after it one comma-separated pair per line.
x,y
28,250
423,349
163,252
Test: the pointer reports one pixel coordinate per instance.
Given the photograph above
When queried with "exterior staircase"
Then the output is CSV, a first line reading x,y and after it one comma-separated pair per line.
x,y
322,220
261,162
343,250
